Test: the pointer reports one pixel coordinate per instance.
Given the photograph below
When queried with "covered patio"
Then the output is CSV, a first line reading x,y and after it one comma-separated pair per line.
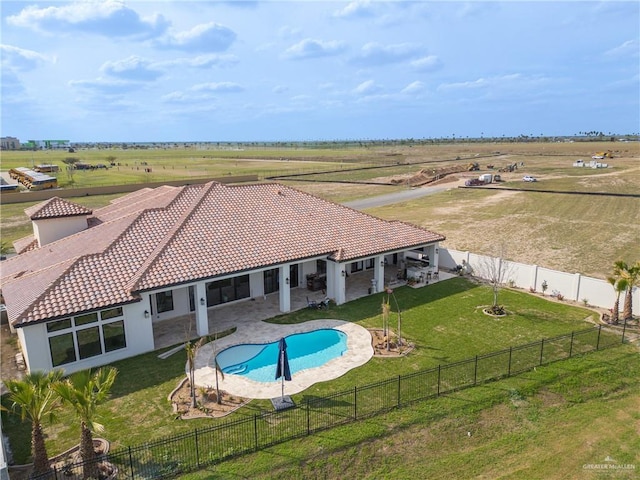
x,y
177,330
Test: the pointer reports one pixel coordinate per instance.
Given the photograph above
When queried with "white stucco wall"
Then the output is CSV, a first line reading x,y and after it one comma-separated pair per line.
x,y
49,230
138,333
573,286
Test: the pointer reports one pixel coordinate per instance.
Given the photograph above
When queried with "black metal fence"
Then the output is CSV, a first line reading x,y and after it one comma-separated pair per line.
x,y
226,439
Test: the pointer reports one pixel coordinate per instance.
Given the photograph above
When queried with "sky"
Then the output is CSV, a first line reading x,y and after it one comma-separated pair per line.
x,y
208,71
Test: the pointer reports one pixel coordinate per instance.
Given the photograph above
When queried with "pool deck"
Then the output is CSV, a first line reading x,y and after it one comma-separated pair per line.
x,y
359,351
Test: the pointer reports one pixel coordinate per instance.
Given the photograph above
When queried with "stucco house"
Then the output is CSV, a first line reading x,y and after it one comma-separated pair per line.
x,y
89,287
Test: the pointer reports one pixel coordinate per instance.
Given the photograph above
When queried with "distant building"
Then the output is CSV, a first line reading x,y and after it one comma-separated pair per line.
x,y
9,143
49,144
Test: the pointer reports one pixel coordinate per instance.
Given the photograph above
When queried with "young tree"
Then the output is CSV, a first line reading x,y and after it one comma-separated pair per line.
x,y
386,309
496,271
36,400
85,391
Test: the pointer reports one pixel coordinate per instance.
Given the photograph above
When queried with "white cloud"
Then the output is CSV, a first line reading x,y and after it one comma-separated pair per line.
x,y
374,53
200,61
413,87
208,37
429,63
21,59
368,87
132,68
310,48
630,48
356,9
110,17
223,87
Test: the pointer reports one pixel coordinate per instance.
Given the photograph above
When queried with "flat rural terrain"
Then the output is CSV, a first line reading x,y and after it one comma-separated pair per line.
x,y
571,230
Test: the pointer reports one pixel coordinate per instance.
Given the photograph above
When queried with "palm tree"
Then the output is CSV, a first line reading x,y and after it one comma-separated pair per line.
x,y
84,391
631,273
192,349
619,285
36,400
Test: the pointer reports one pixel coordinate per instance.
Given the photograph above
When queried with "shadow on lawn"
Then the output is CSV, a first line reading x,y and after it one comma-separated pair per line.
x,y
369,306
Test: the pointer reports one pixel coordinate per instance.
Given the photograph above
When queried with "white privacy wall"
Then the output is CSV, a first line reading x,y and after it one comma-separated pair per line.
x,y
573,286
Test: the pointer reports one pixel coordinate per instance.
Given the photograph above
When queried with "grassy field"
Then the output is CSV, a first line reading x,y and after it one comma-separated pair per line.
x,y
444,321
543,424
550,230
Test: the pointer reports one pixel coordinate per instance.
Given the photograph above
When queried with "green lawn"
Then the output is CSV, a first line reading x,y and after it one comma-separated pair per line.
x,y
444,321
552,423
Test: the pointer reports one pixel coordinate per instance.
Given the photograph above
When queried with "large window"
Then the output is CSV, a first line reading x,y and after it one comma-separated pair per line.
x,y
228,290
84,336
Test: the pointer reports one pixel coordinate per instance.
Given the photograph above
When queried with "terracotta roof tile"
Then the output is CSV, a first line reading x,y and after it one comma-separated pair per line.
x,y
56,207
171,235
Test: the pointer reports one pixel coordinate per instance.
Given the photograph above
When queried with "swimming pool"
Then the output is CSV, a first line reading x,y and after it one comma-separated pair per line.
x,y
304,350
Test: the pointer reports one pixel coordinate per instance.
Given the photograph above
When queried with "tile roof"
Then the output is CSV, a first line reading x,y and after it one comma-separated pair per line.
x,y
56,207
166,236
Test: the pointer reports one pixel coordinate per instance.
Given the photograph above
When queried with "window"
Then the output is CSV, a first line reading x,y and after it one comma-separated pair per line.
x,y
86,336
84,319
271,280
228,290
164,301
111,313
369,263
321,266
62,349
114,338
89,342
357,266
59,325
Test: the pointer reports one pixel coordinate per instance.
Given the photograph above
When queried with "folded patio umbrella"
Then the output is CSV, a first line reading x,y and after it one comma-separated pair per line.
x,y
282,369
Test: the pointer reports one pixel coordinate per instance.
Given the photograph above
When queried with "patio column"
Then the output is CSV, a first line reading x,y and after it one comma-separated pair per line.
x,y
285,288
202,318
436,257
337,282
379,273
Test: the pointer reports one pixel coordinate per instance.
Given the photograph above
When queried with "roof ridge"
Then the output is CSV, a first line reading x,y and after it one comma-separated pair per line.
x,y
179,223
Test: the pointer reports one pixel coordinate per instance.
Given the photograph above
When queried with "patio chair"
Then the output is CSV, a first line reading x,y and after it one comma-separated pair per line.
x,y
312,304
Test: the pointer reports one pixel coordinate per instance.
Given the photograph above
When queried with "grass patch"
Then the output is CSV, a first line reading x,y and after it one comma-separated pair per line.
x,y
443,320
523,427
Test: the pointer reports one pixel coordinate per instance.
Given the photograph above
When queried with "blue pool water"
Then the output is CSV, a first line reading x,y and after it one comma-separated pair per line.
x,y
304,350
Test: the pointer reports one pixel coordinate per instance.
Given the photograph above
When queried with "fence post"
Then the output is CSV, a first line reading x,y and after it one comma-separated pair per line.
x,y
624,330
355,402
197,449
131,462
55,472
308,420
598,342
475,372
438,380
541,350
509,370
399,377
255,430
571,345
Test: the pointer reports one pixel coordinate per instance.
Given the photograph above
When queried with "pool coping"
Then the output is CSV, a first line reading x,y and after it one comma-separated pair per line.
x,y
359,351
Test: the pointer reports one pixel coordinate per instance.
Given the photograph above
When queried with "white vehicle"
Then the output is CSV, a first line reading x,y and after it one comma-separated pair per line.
x,y
529,178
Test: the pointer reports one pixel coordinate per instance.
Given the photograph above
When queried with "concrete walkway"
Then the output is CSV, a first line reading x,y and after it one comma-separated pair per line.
x,y
359,351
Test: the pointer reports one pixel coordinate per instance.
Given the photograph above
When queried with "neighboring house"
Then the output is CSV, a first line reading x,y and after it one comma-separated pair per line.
x,y
89,287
